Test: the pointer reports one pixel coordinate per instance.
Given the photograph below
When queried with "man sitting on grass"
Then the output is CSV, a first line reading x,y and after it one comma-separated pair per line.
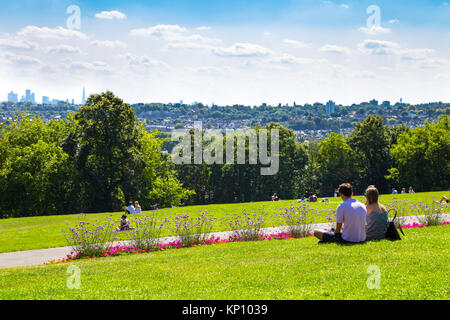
x,y
352,214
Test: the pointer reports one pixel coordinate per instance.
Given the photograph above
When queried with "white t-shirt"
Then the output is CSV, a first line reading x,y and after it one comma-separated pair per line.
x,y
131,209
353,214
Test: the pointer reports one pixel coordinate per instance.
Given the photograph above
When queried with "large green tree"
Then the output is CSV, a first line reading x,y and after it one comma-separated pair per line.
x,y
36,176
106,153
422,157
370,140
335,163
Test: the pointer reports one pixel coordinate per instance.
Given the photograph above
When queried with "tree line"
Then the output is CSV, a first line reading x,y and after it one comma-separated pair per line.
x,y
372,153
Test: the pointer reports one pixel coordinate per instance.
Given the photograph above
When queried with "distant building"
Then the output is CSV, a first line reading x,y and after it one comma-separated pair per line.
x,y
29,97
12,97
73,101
329,108
386,104
45,100
83,98
374,102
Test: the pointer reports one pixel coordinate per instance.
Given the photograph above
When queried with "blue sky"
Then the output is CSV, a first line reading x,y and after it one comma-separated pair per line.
x,y
260,51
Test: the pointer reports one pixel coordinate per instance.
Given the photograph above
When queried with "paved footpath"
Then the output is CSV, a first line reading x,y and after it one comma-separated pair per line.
x,y
40,256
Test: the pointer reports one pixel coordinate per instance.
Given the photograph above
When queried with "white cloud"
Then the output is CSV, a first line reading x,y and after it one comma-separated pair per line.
x,y
161,31
143,61
63,49
415,54
177,37
17,44
211,70
374,30
392,21
378,47
296,43
196,38
109,43
289,59
21,60
203,28
365,74
97,66
242,50
58,33
331,48
433,63
344,5
421,57
109,15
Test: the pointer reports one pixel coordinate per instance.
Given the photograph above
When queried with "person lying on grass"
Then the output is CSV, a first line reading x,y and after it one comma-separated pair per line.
x,y
377,216
444,200
350,220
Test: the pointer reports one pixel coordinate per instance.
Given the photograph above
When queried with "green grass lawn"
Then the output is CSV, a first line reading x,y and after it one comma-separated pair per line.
x,y
414,268
18,234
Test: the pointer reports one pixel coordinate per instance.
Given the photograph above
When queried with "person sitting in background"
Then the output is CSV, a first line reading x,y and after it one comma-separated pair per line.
x,y
410,190
137,207
394,191
124,224
403,190
377,216
325,200
275,197
130,208
312,198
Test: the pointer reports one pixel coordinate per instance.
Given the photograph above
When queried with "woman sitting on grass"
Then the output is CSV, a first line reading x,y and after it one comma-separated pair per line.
x,y
377,216
124,223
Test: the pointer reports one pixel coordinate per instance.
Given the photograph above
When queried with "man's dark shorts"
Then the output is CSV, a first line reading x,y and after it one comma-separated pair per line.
x,y
334,237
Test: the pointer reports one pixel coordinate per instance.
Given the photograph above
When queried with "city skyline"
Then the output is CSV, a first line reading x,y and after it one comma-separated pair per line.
x,y
31,97
231,53
329,105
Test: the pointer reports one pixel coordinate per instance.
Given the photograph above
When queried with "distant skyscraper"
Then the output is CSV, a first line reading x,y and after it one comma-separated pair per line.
x,y
73,101
83,99
12,97
28,95
45,100
329,109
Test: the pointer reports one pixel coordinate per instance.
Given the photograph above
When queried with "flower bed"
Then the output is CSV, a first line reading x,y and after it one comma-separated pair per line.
x,y
213,240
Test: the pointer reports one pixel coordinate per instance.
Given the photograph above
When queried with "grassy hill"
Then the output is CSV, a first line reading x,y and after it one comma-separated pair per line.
x,y
45,232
